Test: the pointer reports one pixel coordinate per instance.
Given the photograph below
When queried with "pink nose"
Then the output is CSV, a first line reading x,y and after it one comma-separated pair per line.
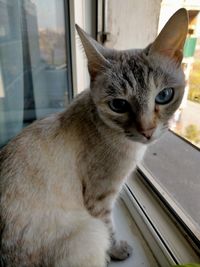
x,y
148,133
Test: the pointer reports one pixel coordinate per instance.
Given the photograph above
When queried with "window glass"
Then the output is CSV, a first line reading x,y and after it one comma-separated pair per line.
x,y
174,165
34,78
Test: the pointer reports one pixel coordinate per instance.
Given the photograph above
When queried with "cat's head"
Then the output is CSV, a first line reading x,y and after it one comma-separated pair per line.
x,y
137,91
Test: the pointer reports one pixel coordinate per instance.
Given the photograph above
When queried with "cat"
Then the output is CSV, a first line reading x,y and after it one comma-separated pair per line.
x,y
60,177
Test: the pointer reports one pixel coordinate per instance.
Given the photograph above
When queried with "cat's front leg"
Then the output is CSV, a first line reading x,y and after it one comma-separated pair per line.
x,y
119,250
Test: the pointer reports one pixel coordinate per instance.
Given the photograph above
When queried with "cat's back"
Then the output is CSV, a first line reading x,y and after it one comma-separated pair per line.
x,y
30,146
40,193
37,164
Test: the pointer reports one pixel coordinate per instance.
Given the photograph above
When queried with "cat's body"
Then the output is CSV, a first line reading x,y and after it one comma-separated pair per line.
x,y
59,178
73,147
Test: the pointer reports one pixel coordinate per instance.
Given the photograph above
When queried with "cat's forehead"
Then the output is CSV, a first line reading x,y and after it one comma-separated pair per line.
x,y
129,73
133,72
128,59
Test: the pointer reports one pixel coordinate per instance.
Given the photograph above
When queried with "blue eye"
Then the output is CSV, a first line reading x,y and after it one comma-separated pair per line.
x,y
165,96
119,105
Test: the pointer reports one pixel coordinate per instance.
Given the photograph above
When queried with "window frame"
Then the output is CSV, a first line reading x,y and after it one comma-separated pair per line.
x,y
185,223
160,229
69,46
151,207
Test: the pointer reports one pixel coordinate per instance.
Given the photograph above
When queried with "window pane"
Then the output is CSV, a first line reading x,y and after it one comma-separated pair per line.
x,y
174,164
33,63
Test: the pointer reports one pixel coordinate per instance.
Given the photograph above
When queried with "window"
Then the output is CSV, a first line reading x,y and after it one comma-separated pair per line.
x,y
35,69
173,165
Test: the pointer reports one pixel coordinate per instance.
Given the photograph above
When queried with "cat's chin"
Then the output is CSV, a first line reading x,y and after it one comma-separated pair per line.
x,y
142,139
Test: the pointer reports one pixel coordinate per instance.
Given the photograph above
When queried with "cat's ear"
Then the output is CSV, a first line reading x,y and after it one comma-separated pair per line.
x,y
94,52
171,39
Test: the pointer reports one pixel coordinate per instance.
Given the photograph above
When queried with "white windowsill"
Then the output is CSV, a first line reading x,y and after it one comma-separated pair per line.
x,y
128,230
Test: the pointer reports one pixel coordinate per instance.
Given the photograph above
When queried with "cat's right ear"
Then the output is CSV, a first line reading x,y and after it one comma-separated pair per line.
x,y
94,52
170,41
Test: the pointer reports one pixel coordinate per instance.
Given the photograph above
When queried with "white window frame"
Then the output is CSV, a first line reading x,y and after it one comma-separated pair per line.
x,y
169,244
80,12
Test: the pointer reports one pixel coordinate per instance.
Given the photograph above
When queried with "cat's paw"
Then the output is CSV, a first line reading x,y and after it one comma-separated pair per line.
x,y
120,251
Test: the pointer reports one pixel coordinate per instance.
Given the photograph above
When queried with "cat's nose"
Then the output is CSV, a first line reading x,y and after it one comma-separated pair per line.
x,y
148,133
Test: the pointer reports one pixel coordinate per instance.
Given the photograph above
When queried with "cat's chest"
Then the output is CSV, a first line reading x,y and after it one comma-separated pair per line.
x,y
123,160
98,200
104,179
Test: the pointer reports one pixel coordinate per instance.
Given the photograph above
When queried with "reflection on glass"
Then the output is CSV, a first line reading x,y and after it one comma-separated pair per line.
x,y
186,121
33,64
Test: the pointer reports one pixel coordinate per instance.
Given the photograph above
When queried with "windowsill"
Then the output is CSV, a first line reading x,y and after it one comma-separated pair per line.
x,y
173,164
144,220
127,230
169,244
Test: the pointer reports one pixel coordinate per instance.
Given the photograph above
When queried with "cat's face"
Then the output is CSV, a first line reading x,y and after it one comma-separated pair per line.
x,y
137,91
138,94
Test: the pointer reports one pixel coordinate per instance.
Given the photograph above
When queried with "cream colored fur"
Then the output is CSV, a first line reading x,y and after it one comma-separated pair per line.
x,y
45,202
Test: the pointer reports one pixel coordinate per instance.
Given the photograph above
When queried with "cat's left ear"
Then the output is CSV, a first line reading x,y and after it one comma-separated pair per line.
x,y
94,52
170,41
